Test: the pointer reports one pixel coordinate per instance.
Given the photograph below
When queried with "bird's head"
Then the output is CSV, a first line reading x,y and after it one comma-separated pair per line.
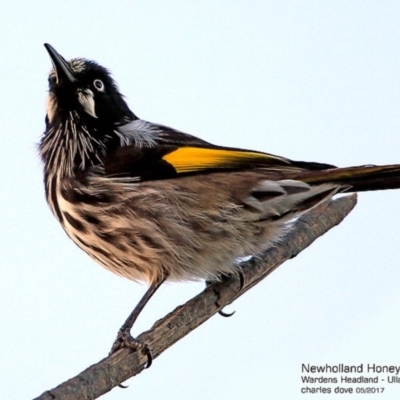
x,y
86,89
87,117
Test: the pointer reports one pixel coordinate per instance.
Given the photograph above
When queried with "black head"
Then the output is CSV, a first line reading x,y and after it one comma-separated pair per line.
x,y
85,111
83,87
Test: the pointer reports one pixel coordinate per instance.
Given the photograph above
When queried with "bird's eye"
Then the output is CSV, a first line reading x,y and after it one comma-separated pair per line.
x,y
99,85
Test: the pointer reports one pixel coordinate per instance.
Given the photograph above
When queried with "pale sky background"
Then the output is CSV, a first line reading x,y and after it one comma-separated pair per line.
x,y
310,80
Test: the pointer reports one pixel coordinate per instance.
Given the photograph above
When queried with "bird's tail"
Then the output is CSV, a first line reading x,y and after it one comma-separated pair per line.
x,y
358,179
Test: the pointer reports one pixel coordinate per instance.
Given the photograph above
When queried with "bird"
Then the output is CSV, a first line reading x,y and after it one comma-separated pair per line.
x,y
153,204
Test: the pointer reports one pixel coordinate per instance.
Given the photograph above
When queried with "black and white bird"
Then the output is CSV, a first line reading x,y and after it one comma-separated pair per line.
x,y
151,203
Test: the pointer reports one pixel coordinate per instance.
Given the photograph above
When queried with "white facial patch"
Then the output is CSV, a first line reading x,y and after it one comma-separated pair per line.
x,y
51,106
86,99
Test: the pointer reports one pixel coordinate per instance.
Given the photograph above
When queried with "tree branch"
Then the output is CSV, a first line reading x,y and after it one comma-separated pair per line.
x,y
111,371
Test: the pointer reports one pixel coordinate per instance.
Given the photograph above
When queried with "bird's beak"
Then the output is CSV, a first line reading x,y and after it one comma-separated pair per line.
x,y
63,71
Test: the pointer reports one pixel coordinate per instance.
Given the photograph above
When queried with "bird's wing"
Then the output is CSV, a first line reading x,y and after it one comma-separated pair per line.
x,y
172,153
164,153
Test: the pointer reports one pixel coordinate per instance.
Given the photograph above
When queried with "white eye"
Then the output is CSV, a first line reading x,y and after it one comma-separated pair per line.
x,y
99,85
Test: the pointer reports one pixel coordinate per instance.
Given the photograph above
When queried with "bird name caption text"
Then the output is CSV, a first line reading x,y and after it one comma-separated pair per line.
x,y
367,378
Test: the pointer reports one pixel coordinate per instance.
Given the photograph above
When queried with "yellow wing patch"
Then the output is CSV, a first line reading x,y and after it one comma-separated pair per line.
x,y
191,159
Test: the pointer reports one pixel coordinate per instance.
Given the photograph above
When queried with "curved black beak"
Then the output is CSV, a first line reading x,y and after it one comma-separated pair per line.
x,y
64,73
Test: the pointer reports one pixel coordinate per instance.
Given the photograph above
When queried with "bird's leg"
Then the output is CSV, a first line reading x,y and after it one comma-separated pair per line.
x,y
124,337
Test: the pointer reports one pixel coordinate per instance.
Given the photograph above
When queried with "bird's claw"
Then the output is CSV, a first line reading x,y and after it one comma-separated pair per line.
x,y
241,285
224,314
125,340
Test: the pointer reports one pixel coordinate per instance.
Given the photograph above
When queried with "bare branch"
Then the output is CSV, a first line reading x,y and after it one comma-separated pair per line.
x,y
111,371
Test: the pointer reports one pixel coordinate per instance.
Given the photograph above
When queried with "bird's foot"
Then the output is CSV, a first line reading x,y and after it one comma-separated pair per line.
x,y
125,340
222,277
